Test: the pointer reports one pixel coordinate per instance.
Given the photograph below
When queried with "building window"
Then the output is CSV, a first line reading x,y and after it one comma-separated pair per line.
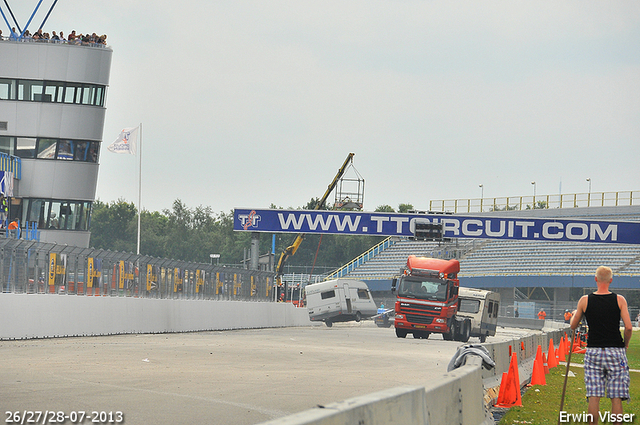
x,y
25,147
6,145
52,91
56,214
47,148
65,150
7,89
44,148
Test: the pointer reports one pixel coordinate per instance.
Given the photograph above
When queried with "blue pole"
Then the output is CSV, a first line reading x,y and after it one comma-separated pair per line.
x,y
32,15
273,246
5,19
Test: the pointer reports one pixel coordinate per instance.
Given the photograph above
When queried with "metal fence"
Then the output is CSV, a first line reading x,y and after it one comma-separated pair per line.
x,y
31,267
518,203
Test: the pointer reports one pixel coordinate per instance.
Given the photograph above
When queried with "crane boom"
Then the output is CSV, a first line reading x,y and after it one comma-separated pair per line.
x,y
291,249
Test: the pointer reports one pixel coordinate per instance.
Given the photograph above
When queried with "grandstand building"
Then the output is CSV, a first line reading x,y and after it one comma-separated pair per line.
x,y
552,273
52,111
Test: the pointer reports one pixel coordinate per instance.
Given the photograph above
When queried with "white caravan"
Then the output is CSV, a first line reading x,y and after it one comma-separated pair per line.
x,y
481,307
339,300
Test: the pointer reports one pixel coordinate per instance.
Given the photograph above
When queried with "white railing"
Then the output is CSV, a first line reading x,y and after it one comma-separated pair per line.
x,y
518,203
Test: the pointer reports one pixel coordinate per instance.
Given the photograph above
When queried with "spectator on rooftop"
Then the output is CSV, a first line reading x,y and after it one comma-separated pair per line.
x,y
14,34
54,37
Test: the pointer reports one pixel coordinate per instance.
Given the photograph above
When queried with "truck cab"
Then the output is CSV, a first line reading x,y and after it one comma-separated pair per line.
x,y
427,300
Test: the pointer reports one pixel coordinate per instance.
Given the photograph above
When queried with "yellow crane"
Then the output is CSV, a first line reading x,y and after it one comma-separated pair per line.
x,y
291,249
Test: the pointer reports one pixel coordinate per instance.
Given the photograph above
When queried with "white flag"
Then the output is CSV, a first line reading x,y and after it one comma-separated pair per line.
x,y
126,142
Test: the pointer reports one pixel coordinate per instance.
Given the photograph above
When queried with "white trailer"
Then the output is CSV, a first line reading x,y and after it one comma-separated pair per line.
x,y
339,300
481,307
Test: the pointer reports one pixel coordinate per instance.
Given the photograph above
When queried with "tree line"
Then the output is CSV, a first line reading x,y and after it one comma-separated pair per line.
x,y
192,234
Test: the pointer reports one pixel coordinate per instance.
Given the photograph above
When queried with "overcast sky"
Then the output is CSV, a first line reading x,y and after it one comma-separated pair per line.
x,y
249,103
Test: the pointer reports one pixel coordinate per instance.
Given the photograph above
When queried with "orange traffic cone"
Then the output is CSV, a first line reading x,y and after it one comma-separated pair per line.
x,y
576,343
545,364
514,363
503,387
560,351
551,355
511,393
537,375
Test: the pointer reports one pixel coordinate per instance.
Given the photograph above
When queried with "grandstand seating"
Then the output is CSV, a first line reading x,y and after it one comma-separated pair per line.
x,y
497,257
502,257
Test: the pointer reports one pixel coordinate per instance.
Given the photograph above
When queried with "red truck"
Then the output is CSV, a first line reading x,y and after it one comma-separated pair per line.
x,y
427,300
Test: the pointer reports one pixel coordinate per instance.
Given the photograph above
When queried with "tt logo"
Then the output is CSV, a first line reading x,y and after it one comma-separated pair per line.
x,y
249,220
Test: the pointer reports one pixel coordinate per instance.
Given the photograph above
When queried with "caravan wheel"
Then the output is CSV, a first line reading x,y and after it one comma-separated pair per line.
x,y
358,316
328,322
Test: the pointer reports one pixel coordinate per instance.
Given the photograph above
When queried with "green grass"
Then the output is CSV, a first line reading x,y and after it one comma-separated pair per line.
x,y
541,404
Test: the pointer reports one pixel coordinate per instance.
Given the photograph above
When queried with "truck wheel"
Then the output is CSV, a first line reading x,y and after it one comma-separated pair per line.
x,y
401,333
329,323
358,316
466,331
448,336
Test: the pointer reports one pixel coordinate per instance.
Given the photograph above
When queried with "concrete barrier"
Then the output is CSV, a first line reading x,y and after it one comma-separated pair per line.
x,y
43,316
517,322
452,399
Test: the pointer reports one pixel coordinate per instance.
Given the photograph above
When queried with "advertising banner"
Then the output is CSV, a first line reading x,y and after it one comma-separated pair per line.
x,y
454,226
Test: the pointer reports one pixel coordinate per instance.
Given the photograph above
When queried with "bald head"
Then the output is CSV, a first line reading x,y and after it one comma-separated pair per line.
x,y
604,275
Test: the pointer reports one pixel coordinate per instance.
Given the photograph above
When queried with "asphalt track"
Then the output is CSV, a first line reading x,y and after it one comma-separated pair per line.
x,y
229,377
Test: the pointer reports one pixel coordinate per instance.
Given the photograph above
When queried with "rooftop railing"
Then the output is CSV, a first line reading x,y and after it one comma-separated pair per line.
x,y
50,41
519,203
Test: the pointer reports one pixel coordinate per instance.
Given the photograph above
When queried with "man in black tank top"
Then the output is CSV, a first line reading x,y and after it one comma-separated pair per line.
x,y
605,362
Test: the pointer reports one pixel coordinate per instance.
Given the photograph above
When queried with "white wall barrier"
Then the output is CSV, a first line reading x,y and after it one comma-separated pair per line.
x,y
43,316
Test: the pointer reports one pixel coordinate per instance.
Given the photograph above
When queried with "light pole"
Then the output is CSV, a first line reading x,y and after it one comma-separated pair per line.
x,y
589,194
534,194
481,186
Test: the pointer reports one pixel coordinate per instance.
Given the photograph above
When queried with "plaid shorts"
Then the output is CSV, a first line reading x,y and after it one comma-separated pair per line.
x,y
606,368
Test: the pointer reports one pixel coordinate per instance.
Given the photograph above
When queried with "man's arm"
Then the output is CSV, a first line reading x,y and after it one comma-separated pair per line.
x,y
577,314
626,319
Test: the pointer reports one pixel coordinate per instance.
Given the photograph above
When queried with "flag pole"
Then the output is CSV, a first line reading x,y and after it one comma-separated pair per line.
x,y
139,188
